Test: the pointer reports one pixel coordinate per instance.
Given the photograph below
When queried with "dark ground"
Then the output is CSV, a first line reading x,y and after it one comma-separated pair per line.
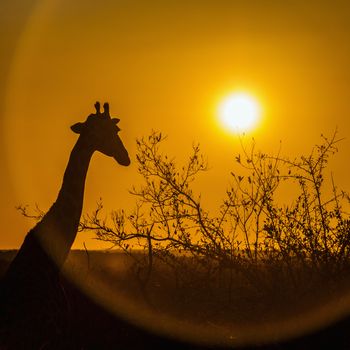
x,y
92,327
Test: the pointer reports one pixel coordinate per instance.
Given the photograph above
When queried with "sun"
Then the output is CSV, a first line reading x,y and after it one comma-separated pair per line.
x,y
239,112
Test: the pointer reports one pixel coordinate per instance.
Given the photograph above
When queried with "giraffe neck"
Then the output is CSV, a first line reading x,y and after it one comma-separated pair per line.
x,y
58,228
71,195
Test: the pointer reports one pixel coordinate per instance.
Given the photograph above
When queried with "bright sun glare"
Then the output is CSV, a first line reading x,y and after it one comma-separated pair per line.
x,y
239,112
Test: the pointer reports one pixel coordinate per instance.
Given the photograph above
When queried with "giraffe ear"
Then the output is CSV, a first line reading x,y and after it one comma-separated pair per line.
x,y
78,128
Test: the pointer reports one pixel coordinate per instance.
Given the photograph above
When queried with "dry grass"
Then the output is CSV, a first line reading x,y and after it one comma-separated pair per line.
x,y
220,299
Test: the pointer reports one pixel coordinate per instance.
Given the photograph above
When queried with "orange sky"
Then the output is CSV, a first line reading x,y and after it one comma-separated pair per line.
x,y
162,65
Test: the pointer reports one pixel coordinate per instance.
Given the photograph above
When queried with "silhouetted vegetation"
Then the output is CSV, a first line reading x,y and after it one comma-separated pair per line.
x,y
269,248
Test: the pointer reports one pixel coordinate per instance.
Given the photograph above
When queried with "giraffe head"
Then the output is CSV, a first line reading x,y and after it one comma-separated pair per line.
x,y
101,131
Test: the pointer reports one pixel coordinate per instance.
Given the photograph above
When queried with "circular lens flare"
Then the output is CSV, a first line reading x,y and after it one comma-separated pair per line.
x,y
239,112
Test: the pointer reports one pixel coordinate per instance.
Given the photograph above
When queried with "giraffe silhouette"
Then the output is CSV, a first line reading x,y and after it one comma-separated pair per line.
x,y
28,315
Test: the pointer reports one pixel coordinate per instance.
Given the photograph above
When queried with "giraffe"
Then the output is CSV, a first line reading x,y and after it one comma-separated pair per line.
x,y
34,273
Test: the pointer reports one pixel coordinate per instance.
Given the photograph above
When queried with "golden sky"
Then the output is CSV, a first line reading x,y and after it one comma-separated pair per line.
x,y
162,65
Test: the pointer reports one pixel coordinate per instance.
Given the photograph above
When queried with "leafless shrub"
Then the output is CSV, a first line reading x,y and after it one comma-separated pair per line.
x,y
257,234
